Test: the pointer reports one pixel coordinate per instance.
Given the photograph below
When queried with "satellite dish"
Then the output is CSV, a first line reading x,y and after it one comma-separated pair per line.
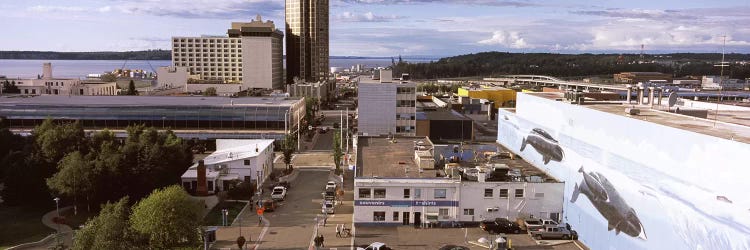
x,y
672,99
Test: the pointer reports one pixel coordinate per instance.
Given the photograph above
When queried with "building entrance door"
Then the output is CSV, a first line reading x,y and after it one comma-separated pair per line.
x,y
406,218
417,218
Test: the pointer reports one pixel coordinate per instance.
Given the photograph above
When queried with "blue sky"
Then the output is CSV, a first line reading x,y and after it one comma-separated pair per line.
x,y
392,27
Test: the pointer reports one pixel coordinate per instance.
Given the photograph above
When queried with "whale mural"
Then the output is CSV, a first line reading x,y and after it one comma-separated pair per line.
x,y
620,217
543,143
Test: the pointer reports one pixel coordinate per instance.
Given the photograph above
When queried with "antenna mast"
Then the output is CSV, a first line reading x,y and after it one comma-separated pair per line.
x,y
721,77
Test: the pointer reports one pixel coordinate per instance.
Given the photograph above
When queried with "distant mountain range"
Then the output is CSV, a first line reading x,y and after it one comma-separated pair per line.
x,y
137,55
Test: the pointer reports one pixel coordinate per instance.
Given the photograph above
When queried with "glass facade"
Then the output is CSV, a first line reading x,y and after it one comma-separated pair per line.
x,y
246,117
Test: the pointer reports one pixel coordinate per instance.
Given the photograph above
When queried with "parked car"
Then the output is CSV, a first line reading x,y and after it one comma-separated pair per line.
x,y
500,225
538,224
554,232
328,207
375,246
269,205
279,193
331,184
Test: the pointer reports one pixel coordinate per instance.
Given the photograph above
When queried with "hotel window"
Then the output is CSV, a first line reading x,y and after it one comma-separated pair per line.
x,y
417,193
247,162
468,211
395,216
407,193
519,193
364,193
440,193
378,216
503,193
379,193
487,193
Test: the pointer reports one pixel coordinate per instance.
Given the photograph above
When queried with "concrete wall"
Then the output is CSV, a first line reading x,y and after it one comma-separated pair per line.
x,y
221,89
377,108
665,188
257,70
172,76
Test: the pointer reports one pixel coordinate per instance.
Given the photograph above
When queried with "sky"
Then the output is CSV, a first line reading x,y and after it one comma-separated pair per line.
x,y
393,27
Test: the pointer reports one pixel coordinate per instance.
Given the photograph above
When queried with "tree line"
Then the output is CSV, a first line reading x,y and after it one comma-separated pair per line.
x,y
491,64
60,159
104,55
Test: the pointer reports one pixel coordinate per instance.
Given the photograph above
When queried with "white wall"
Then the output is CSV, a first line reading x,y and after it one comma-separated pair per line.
x,y
377,108
172,76
472,197
394,200
670,179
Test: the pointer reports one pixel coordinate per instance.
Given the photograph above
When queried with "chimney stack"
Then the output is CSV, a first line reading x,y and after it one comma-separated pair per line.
x,y
47,70
201,190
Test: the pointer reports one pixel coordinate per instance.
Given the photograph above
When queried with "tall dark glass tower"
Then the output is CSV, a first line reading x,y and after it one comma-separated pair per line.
x,y
306,40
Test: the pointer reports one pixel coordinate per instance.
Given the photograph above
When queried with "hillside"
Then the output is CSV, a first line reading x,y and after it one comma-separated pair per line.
x,y
488,64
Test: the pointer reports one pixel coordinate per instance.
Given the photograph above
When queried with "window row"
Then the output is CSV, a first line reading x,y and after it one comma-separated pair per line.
x,y
379,193
406,103
190,48
205,40
519,192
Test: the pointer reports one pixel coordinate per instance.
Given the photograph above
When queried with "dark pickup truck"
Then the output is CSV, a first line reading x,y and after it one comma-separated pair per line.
x,y
500,225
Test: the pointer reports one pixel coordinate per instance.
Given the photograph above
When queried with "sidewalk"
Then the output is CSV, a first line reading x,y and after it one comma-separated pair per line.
x,y
66,233
344,212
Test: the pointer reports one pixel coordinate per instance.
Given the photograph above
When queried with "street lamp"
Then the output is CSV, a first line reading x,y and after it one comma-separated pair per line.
x,y
57,208
225,213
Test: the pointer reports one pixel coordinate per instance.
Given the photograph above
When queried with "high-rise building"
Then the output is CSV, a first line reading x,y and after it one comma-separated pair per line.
x,y
250,55
306,40
386,107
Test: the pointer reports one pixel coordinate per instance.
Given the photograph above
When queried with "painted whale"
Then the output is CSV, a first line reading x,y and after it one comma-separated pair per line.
x,y
620,217
547,146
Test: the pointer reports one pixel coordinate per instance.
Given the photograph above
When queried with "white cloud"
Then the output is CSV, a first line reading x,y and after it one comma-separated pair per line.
x,y
510,39
365,17
48,8
226,9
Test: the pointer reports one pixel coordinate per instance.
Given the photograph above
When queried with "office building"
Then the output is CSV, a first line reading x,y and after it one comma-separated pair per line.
x,y
250,56
386,108
403,181
46,84
307,41
638,177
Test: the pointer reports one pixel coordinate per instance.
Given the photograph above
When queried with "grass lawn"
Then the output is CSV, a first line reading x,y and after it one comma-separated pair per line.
x,y
22,225
213,218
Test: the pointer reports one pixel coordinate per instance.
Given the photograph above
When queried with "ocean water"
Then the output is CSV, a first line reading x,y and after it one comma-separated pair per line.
x,y
81,68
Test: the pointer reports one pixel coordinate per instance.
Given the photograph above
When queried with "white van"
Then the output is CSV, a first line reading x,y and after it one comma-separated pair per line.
x,y
328,207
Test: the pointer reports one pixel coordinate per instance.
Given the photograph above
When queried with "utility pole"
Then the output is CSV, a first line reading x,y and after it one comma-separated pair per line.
x,y
347,132
299,124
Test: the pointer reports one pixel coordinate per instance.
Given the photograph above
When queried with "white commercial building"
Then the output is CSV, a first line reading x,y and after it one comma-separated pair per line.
x,y
387,108
46,84
233,160
250,56
391,189
638,177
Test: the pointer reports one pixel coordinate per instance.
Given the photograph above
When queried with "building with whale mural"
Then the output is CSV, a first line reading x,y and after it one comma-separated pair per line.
x,y
656,180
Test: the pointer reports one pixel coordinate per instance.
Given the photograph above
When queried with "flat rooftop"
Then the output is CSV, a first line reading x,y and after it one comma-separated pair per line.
x,y
442,115
731,125
379,157
60,100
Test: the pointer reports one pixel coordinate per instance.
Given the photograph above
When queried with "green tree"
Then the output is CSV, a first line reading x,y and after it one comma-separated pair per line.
x,y
109,230
210,91
337,151
131,88
75,177
288,147
168,218
55,141
310,105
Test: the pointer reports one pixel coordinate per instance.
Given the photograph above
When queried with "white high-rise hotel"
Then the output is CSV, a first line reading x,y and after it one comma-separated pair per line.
x,y
251,55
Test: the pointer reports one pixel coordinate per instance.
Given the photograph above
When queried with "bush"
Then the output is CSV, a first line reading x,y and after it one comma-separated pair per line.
x,y
242,191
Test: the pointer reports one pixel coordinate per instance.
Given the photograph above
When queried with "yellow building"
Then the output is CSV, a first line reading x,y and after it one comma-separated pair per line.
x,y
500,96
